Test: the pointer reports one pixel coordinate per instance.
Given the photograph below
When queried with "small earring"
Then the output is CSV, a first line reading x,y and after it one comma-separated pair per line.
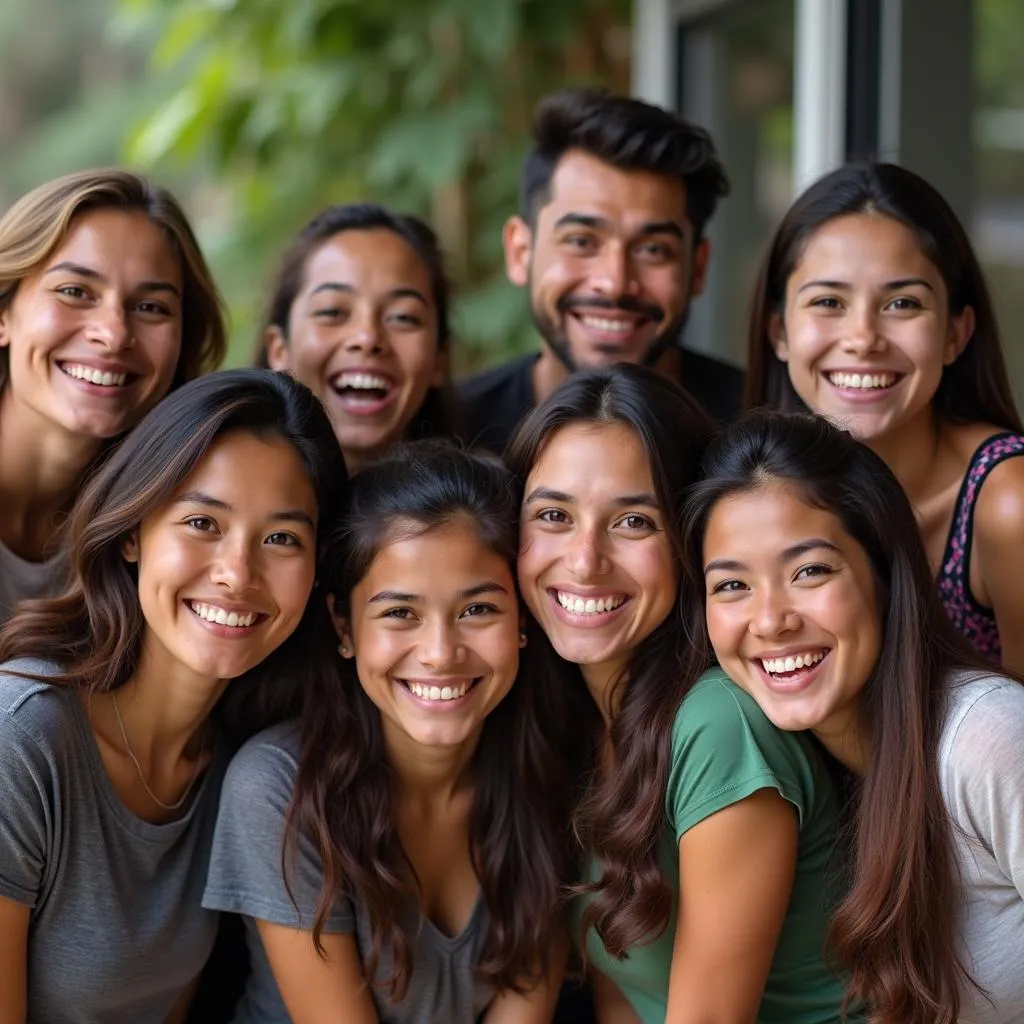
x,y
522,638
344,650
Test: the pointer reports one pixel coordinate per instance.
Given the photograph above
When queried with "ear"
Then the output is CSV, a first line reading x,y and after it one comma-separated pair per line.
x,y
699,267
517,240
5,338
341,627
777,337
961,330
277,349
130,548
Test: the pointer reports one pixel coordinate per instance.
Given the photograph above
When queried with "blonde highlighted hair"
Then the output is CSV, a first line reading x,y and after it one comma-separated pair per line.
x,y
38,222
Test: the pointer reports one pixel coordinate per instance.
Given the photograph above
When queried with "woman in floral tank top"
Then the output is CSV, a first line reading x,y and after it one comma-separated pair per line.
x,y
871,309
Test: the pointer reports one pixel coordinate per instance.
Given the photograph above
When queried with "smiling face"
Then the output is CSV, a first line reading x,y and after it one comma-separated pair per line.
x,y
792,607
610,263
363,336
434,627
866,332
226,567
595,565
94,334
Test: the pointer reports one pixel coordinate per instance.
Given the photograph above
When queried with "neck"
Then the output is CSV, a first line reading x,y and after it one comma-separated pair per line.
x,y
549,371
910,452
41,469
845,736
429,775
605,683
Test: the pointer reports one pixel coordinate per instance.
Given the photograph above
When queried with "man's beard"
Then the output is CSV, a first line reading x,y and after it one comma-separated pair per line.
x,y
557,339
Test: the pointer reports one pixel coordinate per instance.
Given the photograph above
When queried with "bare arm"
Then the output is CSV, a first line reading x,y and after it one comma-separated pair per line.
x,y
14,919
317,990
612,1006
180,1012
736,873
537,1005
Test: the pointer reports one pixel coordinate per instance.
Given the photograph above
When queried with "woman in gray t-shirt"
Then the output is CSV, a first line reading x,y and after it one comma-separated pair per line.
x,y
106,304
819,602
398,854
194,553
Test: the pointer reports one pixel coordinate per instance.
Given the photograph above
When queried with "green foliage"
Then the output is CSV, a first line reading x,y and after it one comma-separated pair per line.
x,y
422,104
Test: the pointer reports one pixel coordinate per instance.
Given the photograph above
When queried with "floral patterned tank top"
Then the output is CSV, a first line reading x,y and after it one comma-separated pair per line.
x,y
976,622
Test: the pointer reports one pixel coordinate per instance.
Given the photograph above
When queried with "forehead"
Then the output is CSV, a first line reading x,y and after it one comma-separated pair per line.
x,y
767,518
593,460
865,244
413,552
128,239
585,184
372,261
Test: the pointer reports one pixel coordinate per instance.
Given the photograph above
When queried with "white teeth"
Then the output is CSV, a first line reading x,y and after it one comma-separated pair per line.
x,y
791,663
590,605
862,380
364,382
439,692
211,613
101,377
599,323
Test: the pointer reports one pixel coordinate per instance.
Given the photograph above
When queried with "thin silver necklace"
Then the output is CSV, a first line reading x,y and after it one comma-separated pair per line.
x,y
142,775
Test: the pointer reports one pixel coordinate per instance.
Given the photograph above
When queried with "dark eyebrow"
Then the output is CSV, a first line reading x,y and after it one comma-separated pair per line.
x,y
291,515
548,494
787,555
654,227
662,227
332,286
818,283
347,289
637,499
490,587
902,282
94,275
394,595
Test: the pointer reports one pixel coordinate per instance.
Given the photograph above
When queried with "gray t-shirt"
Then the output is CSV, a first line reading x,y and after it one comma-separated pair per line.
x,y
20,580
981,772
246,878
117,929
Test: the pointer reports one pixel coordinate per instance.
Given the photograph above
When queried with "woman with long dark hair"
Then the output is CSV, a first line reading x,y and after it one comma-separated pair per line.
x,y
871,309
106,304
807,577
707,832
359,314
193,554
398,854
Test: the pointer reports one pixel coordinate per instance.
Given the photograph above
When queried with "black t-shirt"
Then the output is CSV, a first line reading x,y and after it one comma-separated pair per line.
x,y
493,402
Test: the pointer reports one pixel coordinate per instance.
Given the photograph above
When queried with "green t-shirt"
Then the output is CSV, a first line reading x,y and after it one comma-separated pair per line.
x,y
724,750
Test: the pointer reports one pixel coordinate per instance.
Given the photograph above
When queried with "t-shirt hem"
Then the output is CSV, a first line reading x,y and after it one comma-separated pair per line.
x,y
728,796
18,895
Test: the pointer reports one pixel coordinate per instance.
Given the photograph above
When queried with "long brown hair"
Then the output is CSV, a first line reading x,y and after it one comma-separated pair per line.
x,y
37,223
896,931
94,629
621,817
346,792
973,389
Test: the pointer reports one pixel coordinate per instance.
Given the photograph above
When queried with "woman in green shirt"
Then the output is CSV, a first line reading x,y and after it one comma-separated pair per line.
x,y
708,833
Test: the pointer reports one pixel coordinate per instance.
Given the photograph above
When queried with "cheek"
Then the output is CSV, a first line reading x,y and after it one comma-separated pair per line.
x,y
536,552
417,355
724,630
293,586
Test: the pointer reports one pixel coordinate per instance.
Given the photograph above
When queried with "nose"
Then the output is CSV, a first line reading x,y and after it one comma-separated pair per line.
x,y
365,334
108,326
612,275
773,615
233,567
586,557
441,647
862,335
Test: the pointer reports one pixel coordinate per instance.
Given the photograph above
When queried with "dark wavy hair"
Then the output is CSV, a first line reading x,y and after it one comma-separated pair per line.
x,y
94,628
628,134
973,389
621,815
895,933
346,791
437,416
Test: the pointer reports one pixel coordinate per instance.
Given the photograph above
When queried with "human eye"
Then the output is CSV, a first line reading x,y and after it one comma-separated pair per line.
x,y
656,251
72,291
730,586
579,242
150,308
281,538
826,302
904,304
813,572
406,318
552,515
479,608
203,524
332,314
635,521
400,614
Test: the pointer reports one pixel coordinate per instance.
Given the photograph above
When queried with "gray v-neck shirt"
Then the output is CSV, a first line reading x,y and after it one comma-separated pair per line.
x,y
246,878
117,929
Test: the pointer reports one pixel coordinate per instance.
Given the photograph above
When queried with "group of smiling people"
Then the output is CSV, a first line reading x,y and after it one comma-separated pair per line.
x,y
714,723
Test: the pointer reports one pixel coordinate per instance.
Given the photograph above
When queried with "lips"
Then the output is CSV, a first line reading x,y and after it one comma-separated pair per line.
x,y
112,377
363,392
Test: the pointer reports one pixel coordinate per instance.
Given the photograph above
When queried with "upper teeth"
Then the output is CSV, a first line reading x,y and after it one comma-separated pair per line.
x,y
600,323
792,663
363,381
862,380
439,692
589,605
223,618
103,377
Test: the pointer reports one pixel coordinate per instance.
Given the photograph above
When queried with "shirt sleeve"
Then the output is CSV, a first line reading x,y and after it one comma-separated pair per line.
x,y
246,869
724,750
985,776
28,813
